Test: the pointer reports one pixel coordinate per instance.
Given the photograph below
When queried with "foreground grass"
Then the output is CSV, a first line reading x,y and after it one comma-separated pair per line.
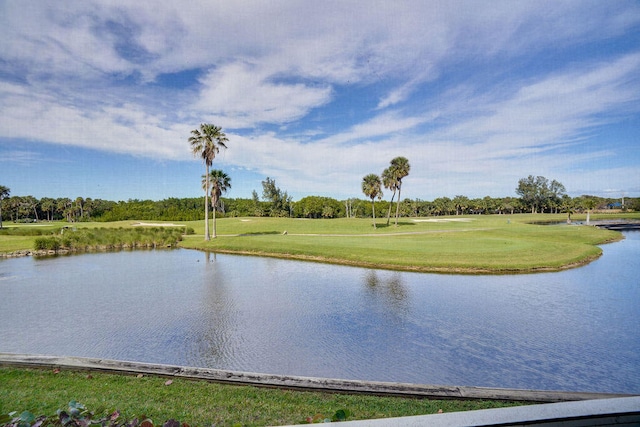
x,y
472,244
199,403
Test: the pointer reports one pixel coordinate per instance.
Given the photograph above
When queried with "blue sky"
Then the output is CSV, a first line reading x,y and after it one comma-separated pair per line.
x,y
98,98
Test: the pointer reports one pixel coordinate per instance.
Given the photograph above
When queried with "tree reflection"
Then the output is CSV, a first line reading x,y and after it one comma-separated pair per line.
x,y
389,288
209,257
214,340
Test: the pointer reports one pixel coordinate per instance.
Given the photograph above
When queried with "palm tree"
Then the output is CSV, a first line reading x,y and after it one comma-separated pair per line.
x,y
589,203
400,167
220,183
372,188
206,142
461,203
4,193
390,182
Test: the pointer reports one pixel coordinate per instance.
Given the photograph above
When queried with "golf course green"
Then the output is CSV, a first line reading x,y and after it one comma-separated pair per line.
x,y
472,244
479,244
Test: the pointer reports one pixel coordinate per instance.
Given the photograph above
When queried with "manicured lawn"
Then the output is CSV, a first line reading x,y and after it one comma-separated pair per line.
x,y
199,403
469,244
16,243
478,244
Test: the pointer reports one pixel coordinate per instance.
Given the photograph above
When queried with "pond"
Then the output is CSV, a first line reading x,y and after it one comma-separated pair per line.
x,y
575,330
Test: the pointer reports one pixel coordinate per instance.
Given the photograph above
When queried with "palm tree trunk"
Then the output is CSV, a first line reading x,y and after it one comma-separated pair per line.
x,y
213,208
390,205
206,209
398,203
373,209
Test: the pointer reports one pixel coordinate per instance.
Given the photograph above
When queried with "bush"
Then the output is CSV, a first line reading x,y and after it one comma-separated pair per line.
x,y
47,244
107,238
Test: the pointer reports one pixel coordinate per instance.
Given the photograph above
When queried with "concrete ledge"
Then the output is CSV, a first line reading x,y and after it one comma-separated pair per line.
x,y
297,382
623,411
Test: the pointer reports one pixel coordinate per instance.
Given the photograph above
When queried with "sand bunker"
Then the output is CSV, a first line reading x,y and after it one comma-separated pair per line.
x,y
444,220
155,224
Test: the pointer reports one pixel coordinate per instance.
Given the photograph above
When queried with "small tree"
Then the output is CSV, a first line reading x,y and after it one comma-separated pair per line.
x,y
372,188
589,203
280,201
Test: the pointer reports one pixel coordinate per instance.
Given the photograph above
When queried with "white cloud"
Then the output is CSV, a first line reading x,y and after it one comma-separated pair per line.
x,y
246,96
554,111
433,79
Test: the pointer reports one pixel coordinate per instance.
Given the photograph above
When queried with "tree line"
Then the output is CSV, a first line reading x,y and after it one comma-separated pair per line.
x,y
30,209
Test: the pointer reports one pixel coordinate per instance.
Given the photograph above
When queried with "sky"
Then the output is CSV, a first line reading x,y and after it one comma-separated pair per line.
x,y
98,98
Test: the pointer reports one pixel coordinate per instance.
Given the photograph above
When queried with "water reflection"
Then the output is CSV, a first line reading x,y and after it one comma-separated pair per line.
x,y
389,288
573,330
213,341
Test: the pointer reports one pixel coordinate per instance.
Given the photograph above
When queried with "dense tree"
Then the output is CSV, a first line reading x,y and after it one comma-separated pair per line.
x,y
30,204
28,208
206,143
220,182
527,190
461,204
555,195
280,201
538,192
4,193
318,207
372,188
47,204
443,206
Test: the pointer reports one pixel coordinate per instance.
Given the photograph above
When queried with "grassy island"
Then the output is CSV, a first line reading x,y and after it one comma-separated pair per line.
x,y
479,244
495,244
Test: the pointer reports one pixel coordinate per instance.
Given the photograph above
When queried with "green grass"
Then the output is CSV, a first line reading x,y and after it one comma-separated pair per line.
x,y
470,244
478,244
199,403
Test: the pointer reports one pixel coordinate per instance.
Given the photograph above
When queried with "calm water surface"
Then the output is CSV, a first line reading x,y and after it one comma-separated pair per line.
x,y
573,330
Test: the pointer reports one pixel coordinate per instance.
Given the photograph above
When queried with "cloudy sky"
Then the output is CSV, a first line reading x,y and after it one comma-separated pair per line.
x,y
98,98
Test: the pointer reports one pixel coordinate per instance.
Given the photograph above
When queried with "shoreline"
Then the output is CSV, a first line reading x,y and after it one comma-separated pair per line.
x,y
409,269
292,382
321,259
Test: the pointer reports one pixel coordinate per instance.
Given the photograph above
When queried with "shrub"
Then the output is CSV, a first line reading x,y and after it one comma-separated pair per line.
x,y
47,244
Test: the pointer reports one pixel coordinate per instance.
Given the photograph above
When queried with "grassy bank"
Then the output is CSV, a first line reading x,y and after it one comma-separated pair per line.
x,y
82,239
475,244
199,403
470,244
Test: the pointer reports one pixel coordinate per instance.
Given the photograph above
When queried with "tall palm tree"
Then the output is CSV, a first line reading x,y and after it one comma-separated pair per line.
x,y
390,182
206,142
400,167
4,193
372,188
220,182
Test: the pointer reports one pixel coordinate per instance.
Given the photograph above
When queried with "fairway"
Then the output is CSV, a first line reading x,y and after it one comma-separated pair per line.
x,y
479,244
